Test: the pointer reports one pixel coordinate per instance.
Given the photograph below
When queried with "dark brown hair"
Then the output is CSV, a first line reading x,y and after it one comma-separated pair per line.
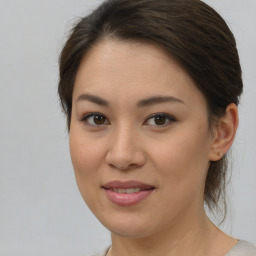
x,y
191,33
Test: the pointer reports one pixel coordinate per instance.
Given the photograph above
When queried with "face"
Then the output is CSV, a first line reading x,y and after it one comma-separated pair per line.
x,y
139,138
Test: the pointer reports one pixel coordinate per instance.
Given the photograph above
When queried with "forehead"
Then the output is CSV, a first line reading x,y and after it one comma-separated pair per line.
x,y
115,67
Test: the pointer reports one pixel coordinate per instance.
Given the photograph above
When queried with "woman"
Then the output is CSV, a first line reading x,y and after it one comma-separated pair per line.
x,y
150,89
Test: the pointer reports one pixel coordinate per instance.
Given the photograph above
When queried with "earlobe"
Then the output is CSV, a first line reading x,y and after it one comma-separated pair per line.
x,y
224,133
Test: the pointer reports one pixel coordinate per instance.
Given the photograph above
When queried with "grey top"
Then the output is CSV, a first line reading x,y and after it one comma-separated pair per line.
x,y
242,248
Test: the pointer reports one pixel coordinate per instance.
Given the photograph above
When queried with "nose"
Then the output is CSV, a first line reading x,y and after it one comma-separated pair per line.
x,y
125,152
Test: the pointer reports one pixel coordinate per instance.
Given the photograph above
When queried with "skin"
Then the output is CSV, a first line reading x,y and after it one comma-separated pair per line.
x,y
130,145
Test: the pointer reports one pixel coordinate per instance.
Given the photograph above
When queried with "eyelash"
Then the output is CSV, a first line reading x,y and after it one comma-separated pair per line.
x,y
94,114
168,118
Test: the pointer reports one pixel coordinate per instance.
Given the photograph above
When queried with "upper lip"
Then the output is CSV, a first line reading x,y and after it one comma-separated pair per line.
x,y
115,184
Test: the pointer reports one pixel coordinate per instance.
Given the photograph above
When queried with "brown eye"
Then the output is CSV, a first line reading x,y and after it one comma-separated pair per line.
x,y
99,119
160,120
95,119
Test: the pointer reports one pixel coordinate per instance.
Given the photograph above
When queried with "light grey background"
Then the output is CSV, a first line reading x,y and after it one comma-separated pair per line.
x,y
41,210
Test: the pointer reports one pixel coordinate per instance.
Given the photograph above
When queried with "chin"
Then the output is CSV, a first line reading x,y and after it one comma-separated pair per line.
x,y
133,228
132,233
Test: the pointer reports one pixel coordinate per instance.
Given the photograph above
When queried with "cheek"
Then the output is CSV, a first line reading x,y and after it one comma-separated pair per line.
x,y
183,158
86,157
182,167
85,152
183,148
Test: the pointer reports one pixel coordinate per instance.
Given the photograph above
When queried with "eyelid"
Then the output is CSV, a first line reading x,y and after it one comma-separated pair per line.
x,y
85,117
170,118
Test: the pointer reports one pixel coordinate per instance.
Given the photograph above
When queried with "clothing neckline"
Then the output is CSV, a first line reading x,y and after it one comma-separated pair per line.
x,y
237,245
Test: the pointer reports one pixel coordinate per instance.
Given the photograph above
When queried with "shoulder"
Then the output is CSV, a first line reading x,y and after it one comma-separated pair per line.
x,y
102,253
242,248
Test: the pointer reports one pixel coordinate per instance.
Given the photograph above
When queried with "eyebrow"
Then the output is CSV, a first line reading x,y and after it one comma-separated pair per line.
x,y
92,98
158,99
142,103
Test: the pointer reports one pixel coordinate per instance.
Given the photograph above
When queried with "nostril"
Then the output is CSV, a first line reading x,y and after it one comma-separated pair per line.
x,y
123,167
125,160
120,161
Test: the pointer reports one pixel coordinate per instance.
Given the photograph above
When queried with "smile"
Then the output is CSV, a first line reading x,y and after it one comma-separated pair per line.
x,y
127,193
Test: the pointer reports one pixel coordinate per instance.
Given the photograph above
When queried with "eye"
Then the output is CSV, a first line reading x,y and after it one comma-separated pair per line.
x,y
95,119
160,119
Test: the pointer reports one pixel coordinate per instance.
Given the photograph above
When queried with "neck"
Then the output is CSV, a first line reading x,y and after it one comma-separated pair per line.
x,y
197,236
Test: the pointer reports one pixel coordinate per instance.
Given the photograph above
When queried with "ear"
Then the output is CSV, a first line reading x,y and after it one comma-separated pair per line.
x,y
224,133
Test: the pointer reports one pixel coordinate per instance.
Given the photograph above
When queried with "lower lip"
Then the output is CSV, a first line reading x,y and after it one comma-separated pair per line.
x,y
127,199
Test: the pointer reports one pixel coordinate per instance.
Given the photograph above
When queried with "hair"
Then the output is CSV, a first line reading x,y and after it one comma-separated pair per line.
x,y
191,33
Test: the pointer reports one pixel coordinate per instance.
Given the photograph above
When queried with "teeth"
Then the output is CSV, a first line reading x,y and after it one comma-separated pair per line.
x,y
126,191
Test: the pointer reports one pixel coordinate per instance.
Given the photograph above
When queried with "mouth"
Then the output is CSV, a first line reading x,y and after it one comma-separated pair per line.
x,y
127,193
128,190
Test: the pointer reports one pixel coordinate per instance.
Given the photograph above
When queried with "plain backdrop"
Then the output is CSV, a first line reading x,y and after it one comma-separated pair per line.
x,y
41,210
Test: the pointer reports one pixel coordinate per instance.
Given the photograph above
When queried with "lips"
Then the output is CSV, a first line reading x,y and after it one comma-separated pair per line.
x,y
127,193
127,185
127,190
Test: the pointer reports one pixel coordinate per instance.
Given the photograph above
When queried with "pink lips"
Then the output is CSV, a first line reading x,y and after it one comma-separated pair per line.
x,y
127,199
